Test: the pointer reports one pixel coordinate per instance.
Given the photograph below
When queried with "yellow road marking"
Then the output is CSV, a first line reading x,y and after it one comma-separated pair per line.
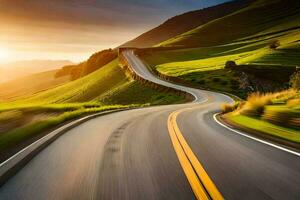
x,y
201,184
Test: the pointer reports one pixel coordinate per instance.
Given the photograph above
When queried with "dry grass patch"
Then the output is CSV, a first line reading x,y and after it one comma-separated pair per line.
x,y
255,104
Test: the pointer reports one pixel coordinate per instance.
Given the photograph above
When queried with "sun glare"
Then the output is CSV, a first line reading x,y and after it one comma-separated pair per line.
x,y
4,54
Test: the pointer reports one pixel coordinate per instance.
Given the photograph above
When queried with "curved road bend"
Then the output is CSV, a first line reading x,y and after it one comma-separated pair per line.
x,y
129,155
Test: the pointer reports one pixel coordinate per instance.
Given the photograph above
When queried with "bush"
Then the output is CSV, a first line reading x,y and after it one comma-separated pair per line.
x,y
226,108
255,104
95,62
65,71
295,80
280,115
230,64
98,60
76,73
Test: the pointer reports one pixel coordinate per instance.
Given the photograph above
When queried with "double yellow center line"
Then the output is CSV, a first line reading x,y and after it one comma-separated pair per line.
x,y
201,184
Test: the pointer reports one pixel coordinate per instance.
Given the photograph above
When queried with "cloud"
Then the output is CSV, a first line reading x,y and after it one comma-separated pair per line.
x,y
63,27
97,12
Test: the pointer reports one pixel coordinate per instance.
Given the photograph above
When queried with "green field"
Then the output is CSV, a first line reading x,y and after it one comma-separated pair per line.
x,y
245,38
260,18
198,57
105,89
204,66
97,86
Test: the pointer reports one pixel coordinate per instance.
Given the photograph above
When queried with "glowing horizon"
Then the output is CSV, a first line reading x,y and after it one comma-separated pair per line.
x,y
74,29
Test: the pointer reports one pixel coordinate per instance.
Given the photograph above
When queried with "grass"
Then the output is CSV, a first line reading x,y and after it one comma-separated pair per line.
x,y
277,114
282,115
243,37
226,108
135,93
35,83
84,89
255,104
204,66
253,20
18,135
107,88
96,87
267,128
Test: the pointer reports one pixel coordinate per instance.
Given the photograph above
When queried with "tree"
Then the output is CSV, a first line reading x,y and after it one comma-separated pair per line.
x,y
230,64
99,59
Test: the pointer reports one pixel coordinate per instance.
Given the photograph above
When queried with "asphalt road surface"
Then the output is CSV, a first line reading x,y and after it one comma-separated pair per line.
x,y
130,155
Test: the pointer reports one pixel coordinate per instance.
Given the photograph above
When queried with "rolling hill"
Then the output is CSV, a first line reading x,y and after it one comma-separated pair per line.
x,y
199,56
35,83
107,85
185,22
263,17
198,45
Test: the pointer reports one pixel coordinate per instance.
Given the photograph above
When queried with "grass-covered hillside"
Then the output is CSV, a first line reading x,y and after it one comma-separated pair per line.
x,y
185,22
27,118
99,86
260,18
253,53
29,85
262,39
239,47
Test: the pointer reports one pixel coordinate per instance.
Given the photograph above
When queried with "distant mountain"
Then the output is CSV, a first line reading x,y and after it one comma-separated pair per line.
x,y
13,70
185,22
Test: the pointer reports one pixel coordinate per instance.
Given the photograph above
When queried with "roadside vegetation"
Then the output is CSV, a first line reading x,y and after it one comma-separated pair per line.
x,y
251,53
254,50
276,114
262,45
108,88
258,67
20,124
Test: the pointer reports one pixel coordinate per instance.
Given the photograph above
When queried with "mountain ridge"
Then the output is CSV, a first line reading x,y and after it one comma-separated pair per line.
x,y
185,22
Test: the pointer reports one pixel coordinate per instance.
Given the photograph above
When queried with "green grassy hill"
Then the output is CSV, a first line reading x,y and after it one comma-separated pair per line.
x,y
237,31
27,119
185,22
29,85
106,85
84,89
261,17
244,37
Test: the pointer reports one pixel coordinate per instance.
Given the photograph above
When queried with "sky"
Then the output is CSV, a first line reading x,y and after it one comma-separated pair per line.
x,y
74,29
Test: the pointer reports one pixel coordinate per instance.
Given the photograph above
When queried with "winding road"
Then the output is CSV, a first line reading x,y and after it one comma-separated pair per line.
x,y
162,152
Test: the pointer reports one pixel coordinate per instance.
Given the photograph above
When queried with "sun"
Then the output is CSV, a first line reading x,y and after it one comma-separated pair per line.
x,y
4,54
